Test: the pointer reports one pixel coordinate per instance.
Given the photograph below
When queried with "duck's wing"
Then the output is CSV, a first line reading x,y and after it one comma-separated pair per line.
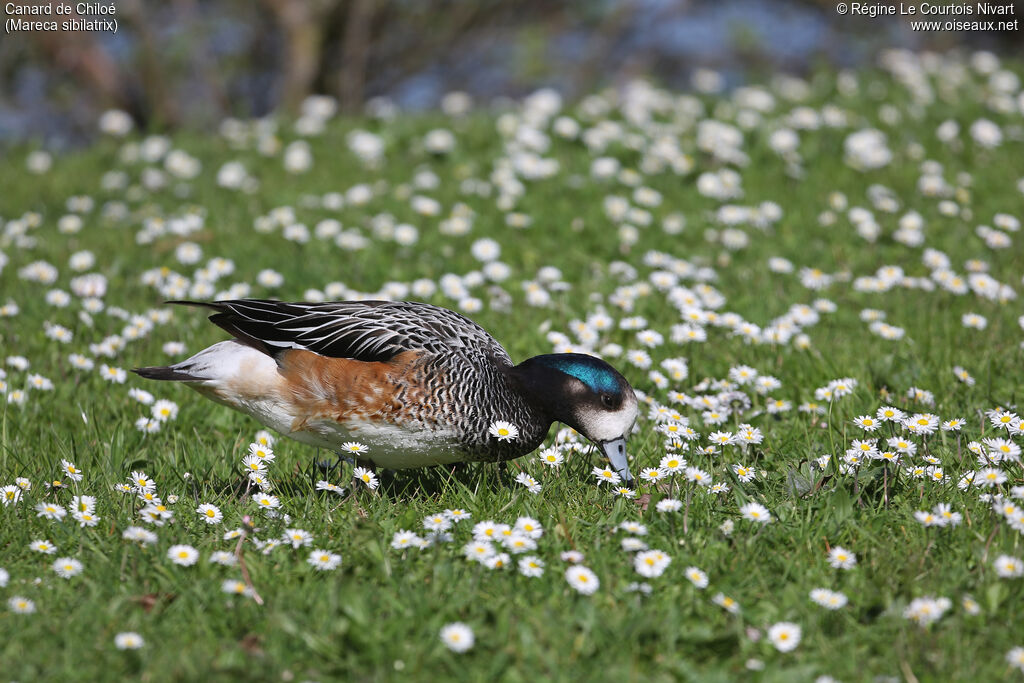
x,y
361,330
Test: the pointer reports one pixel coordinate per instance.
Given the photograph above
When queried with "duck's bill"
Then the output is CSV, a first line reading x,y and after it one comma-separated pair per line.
x,y
615,451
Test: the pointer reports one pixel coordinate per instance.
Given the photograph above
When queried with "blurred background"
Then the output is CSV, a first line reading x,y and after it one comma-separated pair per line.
x,y
190,63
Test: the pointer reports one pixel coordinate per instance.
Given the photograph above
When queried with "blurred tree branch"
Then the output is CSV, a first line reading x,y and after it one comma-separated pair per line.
x,y
355,54
80,55
153,77
144,94
403,45
303,23
607,33
188,10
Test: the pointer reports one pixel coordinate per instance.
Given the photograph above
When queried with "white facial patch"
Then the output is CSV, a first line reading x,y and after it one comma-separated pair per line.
x,y
604,425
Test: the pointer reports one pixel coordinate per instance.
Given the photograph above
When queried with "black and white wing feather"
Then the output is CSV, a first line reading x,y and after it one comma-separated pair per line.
x,y
362,330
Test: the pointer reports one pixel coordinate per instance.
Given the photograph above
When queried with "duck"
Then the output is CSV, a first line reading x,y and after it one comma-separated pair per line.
x,y
418,385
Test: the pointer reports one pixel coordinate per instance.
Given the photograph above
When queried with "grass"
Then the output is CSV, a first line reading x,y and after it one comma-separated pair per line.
x,y
379,614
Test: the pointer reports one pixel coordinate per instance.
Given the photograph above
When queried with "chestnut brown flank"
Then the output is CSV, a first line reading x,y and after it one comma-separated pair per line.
x,y
345,389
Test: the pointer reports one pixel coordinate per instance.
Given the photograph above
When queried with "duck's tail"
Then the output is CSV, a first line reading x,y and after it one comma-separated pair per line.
x,y
218,362
171,373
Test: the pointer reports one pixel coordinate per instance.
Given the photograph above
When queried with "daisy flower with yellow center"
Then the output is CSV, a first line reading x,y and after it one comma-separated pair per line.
x,y
726,603
323,560
582,579
671,464
261,452
210,513
253,463
605,474
551,457
457,637
503,431
267,501
183,555
367,477
652,474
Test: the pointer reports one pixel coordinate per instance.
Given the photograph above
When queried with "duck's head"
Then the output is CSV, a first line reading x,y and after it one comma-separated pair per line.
x,y
587,394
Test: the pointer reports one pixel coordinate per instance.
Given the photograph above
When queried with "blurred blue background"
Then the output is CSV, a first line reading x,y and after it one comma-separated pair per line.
x,y
190,63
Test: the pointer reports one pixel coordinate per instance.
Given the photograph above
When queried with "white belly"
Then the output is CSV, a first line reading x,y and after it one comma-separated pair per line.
x,y
390,446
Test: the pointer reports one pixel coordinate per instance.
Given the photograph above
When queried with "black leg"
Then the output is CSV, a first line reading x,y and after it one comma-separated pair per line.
x,y
327,468
340,462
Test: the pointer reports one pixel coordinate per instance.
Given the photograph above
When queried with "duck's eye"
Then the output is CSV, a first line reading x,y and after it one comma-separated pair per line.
x,y
606,400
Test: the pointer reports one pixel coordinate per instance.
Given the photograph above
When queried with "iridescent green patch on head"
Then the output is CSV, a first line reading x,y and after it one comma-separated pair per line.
x,y
593,372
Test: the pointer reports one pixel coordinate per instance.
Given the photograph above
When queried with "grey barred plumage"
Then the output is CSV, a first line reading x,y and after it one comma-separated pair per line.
x,y
419,384
362,330
469,396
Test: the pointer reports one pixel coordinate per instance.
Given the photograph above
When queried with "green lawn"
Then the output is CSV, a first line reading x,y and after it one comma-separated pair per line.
x,y
519,178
